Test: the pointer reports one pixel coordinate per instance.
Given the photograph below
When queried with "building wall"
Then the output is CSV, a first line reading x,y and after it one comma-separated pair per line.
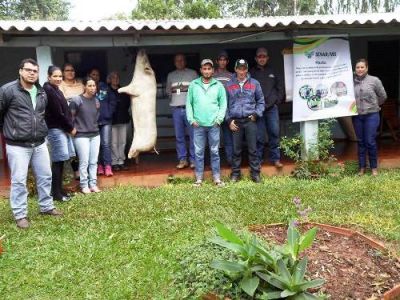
x,y
122,60
9,61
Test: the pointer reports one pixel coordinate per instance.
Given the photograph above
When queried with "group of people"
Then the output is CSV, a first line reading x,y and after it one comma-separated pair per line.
x,y
79,118
88,119
243,104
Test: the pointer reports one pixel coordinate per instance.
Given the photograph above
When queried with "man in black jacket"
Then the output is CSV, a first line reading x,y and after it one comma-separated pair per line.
x,y
22,110
273,91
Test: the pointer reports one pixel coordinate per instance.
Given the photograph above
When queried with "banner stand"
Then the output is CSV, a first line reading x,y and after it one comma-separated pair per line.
x,y
309,132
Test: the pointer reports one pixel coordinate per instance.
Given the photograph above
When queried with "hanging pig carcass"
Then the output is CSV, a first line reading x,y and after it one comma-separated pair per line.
x,y
142,90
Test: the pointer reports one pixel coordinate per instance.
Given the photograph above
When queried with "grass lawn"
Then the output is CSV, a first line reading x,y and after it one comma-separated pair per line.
x,y
125,243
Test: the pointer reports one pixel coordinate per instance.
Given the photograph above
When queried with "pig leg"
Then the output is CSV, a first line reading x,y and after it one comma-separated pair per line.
x,y
130,90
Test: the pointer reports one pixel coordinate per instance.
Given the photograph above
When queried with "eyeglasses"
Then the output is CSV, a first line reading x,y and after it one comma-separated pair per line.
x,y
30,70
69,70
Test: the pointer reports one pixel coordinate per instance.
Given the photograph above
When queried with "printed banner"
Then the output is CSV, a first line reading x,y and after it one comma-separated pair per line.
x,y
323,79
288,67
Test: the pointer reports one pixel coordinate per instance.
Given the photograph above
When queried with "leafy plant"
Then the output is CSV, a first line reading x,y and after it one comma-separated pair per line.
x,y
252,256
290,284
319,162
350,167
267,271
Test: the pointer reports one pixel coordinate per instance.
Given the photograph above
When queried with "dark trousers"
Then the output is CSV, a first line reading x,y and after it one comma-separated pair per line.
x,y
269,124
105,145
366,127
248,129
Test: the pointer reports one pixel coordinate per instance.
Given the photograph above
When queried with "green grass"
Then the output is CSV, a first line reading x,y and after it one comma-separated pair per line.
x,y
125,243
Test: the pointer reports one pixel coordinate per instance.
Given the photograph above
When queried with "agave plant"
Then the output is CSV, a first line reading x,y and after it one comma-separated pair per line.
x,y
268,271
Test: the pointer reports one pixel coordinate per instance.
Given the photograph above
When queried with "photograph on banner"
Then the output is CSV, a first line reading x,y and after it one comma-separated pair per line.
x,y
322,78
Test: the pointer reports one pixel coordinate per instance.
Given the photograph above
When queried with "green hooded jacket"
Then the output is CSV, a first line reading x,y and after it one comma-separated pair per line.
x,y
206,106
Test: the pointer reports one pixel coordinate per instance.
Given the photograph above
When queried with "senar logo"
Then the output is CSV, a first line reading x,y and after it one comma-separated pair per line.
x,y
325,54
309,54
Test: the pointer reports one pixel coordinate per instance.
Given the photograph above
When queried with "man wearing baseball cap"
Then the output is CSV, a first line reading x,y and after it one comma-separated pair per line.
x,y
245,106
205,111
223,75
273,90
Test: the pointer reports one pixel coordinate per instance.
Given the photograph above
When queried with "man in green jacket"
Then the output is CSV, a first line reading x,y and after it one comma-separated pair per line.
x,y
205,111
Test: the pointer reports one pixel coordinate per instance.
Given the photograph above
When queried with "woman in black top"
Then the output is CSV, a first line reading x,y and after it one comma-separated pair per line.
x,y
59,122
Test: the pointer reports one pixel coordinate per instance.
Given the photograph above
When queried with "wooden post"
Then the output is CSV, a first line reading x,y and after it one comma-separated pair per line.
x,y
309,132
44,59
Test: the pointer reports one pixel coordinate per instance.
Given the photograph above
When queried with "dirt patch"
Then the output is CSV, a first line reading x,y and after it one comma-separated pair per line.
x,y
351,267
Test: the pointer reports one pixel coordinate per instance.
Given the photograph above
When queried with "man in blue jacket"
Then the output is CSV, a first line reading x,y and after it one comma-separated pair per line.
x,y
245,105
22,110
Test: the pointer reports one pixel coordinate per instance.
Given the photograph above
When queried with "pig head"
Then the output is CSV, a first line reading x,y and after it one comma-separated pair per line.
x,y
142,90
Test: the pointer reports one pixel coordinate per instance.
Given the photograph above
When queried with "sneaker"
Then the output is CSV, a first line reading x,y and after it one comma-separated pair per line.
x,y
86,190
361,172
108,171
100,170
278,164
63,198
256,178
192,165
198,183
22,223
52,212
182,164
123,167
219,183
235,178
116,168
374,172
95,189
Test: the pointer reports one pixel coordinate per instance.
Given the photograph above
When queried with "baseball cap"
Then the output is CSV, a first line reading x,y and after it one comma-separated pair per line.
x,y
241,63
262,50
207,61
223,53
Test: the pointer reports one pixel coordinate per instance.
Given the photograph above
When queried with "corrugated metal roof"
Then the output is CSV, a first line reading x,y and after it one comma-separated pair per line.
x,y
198,24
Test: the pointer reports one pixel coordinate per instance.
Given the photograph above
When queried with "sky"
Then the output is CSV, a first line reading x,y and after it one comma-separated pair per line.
x,y
99,9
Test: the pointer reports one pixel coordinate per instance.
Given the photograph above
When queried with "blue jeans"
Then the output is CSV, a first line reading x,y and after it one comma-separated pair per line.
x,y
19,159
247,129
105,145
87,149
200,136
180,125
228,141
366,127
61,146
269,123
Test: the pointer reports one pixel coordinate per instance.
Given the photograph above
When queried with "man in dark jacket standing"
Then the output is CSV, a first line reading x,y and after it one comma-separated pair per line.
x,y
22,110
245,106
273,91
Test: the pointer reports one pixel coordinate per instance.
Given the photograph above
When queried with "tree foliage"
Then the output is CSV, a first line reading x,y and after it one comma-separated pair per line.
x,y
34,9
175,9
